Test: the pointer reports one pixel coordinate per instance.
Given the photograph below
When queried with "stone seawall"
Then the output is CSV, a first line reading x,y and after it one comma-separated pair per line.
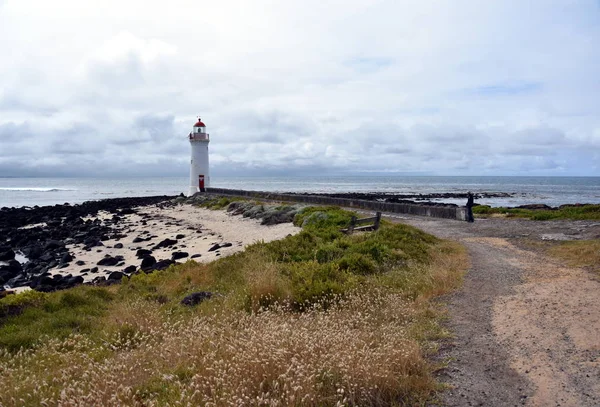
x,y
447,212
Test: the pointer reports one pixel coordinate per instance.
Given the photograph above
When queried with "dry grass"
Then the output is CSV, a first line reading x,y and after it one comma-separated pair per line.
x,y
358,352
251,346
583,253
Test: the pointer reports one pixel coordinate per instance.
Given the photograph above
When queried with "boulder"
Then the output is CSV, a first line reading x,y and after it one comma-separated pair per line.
x,y
165,243
7,255
196,298
163,264
53,245
179,255
72,282
99,280
12,266
118,246
115,275
535,207
141,253
109,261
129,269
33,252
65,258
195,256
148,262
277,217
214,247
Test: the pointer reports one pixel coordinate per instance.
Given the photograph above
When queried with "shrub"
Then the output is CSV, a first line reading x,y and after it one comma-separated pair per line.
x,y
312,282
14,304
322,217
56,315
357,263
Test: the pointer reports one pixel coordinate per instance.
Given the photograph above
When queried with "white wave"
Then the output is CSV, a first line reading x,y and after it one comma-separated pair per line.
x,y
32,189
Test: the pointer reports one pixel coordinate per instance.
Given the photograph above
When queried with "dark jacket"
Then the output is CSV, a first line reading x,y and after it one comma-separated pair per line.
x,y
470,201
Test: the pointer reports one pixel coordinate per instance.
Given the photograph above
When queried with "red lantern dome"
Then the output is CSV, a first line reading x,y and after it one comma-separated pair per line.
x,y
199,123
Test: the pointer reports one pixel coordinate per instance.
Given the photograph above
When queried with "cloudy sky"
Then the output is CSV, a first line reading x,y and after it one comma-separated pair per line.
x,y
456,87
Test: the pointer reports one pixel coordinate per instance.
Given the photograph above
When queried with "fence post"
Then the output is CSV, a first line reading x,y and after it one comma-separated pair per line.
x,y
352,224
377,220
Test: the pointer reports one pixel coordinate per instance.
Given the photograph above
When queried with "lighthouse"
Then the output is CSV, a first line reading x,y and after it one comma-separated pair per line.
x,y
199,170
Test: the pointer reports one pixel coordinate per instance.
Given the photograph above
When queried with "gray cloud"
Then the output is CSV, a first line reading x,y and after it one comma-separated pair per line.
x,y
367,91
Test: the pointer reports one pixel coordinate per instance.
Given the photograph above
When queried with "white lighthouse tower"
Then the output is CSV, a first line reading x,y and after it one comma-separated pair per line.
x,y
199,170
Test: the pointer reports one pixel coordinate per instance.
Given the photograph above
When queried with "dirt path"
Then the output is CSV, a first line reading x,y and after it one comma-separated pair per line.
x,y
527,328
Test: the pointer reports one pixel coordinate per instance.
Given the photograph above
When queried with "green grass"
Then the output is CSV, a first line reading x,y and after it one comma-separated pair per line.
x,y
216,203
574,212
55,315
352,306
318,263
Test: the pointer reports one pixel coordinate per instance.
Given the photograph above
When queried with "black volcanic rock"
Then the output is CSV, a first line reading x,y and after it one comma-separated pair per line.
x,y
196,298
535,207
53,244
66,258
159,265
108,261
148,262
179,255
7,255
141,253
165,243
115,275
129,269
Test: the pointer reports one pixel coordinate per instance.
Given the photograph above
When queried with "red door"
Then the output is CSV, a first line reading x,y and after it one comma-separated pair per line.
x,y
201,182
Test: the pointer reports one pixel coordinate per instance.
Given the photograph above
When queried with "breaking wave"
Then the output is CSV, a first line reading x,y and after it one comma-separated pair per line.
x,y
35,189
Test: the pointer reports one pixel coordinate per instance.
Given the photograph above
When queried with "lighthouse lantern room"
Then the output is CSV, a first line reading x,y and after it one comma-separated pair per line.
x,y
199,170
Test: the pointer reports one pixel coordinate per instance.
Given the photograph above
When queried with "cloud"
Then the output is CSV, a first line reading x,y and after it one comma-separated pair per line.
x,y
508,89
353,86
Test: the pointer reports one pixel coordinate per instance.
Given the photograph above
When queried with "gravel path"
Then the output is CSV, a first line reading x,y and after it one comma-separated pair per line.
x,y
527,329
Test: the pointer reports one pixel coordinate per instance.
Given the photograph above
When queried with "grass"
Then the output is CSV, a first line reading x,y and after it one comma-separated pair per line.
x,y
218,202
58,315
574,212
318,318
582,253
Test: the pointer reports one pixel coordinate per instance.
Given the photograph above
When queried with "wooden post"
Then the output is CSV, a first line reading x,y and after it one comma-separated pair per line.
x,y
377,220
352,224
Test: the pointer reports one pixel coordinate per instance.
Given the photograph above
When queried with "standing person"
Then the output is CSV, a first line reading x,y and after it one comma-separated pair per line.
x,y
470,199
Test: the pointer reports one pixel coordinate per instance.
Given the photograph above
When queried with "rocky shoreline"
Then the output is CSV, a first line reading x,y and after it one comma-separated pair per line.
x,y
41,235
100,242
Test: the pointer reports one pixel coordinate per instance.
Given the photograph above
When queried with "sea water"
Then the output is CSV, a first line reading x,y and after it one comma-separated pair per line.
x,y
553,191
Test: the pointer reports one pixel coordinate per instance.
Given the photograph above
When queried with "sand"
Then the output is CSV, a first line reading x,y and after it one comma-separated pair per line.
x,y
196,230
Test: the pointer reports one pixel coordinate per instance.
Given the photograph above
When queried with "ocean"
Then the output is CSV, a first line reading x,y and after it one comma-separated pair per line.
x,y
553,191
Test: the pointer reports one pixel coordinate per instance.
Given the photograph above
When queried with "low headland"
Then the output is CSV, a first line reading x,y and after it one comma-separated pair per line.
x,y
295,314
214,300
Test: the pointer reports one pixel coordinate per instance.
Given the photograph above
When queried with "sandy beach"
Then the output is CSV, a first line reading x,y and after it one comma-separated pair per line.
x,y
152,237
195,230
